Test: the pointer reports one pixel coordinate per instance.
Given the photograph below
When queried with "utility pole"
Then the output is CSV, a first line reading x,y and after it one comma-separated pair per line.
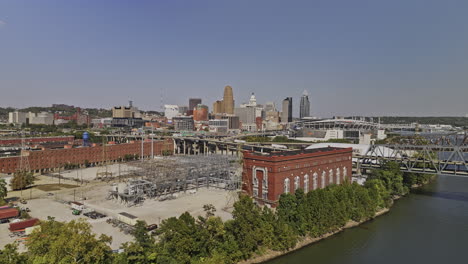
x,y
142,144
152,139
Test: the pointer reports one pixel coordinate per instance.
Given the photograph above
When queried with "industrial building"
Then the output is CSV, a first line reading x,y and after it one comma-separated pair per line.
x,y
268,175
127,122
163,178
183,123
36,140
78,117
39,161
101,122
126,111
42,118
126,116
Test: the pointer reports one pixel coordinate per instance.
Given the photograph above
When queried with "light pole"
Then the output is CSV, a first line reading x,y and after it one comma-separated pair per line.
x,y
152,139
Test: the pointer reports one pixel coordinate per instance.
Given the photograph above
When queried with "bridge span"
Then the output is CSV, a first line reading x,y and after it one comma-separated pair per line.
x,y
441,156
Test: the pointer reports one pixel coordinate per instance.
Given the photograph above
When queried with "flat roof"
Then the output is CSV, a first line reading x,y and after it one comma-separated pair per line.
x,y
294,152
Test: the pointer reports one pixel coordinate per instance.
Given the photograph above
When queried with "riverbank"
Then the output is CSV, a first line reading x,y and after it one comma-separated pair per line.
x,y
270,254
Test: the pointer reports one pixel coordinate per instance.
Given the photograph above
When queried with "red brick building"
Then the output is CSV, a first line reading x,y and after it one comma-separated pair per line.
x,y
47,159
36,140
267,175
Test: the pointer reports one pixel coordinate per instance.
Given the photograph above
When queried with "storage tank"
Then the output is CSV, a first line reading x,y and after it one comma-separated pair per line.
x,y
86,139
85,136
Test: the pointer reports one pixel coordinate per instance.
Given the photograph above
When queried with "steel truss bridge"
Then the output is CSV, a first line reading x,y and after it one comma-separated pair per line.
x,y
447,155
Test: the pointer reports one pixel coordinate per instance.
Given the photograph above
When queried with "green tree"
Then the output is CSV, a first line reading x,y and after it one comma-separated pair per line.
x,y
179,239
71,242
3,191
141,235
246,227
378,193
10,254
392,178
21,180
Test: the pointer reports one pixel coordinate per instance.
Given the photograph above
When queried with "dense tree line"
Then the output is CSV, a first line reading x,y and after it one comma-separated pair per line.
x,y
442,120
207,239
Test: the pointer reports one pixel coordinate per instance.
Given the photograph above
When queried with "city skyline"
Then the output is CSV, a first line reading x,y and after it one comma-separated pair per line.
x,y
82,54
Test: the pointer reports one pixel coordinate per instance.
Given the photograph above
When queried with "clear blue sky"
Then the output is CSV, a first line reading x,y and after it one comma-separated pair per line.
x,y
402,57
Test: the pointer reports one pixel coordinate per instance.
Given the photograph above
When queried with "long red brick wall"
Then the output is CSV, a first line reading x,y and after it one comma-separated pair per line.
x,y
43,160
35,140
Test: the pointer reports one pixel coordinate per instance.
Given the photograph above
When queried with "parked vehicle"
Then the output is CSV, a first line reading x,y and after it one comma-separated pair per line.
x,y
151,227
76,212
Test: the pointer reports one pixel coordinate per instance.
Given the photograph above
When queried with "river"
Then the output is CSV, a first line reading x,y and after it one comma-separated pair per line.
x,y
428,226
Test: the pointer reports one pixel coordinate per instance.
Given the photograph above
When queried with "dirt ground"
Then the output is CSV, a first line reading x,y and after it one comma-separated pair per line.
x,y
47,202
89,174
49,198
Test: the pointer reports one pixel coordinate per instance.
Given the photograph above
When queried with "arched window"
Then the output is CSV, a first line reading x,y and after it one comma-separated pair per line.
x,y
345,173
338,179
255,181
314,181
296,183
306,183
324,175
330,176
286,186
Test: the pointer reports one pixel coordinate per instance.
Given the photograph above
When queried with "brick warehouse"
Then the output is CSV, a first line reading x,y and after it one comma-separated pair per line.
x,y
268,175
36,140
44,160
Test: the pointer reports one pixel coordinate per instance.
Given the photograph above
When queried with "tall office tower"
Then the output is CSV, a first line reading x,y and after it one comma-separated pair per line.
x,y
304,108
286,115
193,102
218,107
228,100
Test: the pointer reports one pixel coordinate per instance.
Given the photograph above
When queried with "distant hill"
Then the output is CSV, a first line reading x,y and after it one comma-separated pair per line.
x,y
93,112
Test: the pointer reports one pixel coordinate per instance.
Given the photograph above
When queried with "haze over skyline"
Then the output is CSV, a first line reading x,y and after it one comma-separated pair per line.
x,y
353,57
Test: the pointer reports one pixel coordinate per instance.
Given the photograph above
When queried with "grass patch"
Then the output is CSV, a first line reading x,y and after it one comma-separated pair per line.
x,y
55,187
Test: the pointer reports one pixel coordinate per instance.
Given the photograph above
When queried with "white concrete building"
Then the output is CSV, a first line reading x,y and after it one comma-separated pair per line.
x,y
171,111
42,118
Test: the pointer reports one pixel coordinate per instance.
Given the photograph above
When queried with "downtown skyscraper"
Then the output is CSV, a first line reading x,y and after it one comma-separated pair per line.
x,y
304,107
286,114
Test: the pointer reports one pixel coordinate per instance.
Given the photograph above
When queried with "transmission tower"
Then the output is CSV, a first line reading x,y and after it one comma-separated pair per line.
x,y
24,161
